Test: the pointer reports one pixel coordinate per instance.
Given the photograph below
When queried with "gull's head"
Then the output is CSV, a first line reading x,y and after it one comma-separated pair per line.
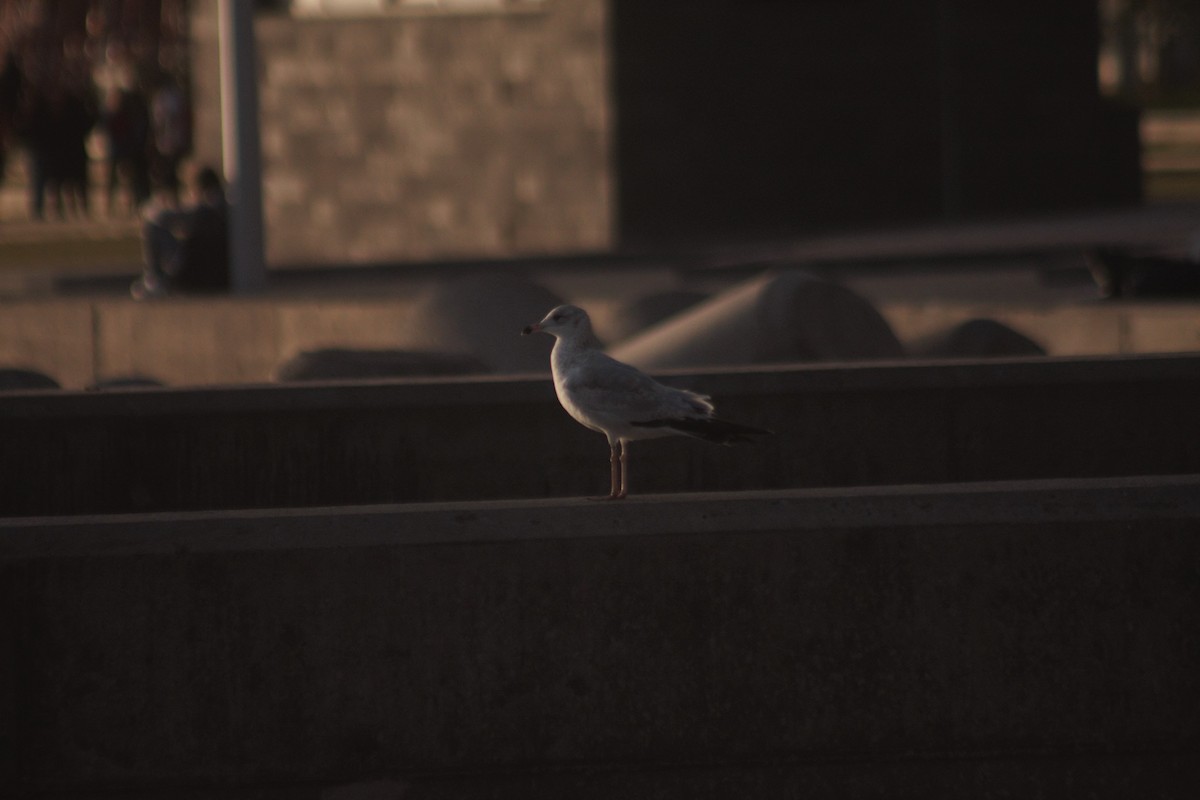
x,y
564,322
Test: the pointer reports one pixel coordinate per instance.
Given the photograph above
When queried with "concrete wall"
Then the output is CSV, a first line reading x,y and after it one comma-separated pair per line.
x,y
419,135
200,341
187,342
414,441
1082,329
53,337
1029,640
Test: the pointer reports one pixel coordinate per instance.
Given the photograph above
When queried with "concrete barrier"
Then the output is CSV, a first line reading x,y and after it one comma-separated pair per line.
x,y
975,338
1096,328
497,437
480,316
1032,639
787,316
51,337
191,342
347,364
637,315
17,379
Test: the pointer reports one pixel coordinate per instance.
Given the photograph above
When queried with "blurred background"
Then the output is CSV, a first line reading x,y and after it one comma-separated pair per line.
x,y
947,162
417,129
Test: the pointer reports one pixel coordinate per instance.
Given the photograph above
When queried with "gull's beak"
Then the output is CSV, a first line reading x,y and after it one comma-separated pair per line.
x,y
534,328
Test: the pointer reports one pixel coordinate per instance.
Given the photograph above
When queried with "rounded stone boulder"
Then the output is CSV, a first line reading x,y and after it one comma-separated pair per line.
x,y
15,379
482,316
336,363
976,338
639,314
124,382
780,317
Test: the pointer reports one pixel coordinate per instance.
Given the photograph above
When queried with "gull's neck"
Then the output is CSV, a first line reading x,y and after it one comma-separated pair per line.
x,y
566,348
578,340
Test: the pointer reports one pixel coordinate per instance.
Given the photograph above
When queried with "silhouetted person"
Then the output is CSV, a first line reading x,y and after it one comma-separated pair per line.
x,y
127,126
11,85
171,136
187,249
69,164
55,128
37,130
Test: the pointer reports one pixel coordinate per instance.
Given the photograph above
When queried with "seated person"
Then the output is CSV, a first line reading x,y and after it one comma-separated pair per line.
x,y
187,249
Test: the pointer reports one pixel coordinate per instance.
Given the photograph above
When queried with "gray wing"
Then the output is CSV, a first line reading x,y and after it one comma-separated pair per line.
x,y
602,382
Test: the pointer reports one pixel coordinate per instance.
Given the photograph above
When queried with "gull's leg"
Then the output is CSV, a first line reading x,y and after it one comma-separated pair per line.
x,y
614,464
624,472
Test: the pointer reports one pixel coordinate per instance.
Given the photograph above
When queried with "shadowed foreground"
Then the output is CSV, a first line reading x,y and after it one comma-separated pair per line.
x,y
1020,639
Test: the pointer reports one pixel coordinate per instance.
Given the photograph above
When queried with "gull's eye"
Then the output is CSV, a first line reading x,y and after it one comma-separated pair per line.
x,y
556,318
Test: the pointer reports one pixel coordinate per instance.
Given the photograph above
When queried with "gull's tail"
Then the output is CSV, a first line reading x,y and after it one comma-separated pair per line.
x,y
710,429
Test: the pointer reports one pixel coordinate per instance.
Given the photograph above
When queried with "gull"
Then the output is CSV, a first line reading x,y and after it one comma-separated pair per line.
x,y
621,401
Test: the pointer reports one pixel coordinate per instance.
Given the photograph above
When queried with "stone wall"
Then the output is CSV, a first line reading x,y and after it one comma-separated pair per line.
x,y
432,135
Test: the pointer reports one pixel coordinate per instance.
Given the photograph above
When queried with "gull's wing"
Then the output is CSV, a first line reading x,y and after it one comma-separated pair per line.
x,y
605,385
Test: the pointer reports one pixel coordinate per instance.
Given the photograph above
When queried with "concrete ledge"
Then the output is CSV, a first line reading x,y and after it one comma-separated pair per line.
x,y
1068,329
419,441
1126,499
1030,638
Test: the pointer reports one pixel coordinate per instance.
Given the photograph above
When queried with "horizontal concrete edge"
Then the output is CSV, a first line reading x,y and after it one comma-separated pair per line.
x,y
1033,502
521,388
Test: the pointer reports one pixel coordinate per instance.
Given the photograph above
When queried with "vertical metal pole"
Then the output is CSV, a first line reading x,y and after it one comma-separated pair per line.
x,y
241,145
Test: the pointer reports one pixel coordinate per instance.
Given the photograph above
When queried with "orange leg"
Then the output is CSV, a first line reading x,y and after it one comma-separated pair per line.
x,y
624,491
616,473
618,464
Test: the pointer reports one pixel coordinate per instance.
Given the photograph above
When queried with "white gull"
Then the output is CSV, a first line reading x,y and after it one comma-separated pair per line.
x,y
619,400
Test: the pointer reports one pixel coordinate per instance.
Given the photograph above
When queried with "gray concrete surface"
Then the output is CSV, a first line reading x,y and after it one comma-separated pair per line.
x,y
507,437
1025,639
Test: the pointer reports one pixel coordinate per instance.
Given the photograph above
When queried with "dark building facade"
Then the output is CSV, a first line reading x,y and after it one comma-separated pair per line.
x,y
740,119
